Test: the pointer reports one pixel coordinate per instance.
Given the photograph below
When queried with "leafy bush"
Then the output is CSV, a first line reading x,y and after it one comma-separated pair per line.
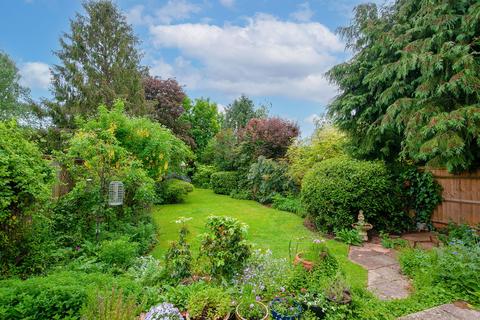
x,y
242,194
25,179
118,253
325,143
224,182
423,193
266,178
394,243
224,245
159,151
201,177
209,303
57,296
460,234
172,191
349,236
110,305
334,191
453,269
288,203
268,137
178,259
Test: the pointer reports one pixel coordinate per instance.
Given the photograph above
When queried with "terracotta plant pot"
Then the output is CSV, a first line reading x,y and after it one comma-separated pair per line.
x,y
308,265
239,317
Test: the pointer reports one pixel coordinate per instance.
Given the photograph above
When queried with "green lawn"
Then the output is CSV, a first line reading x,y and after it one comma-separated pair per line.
x,y
268,228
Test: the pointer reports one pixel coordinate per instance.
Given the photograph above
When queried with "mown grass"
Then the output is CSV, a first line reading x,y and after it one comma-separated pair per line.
x,y
268,228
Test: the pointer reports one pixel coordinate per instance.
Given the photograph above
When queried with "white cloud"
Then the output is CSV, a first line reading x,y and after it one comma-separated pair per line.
x,y
266,56
173,10
312,119
135,15
35,75
304,13
227,3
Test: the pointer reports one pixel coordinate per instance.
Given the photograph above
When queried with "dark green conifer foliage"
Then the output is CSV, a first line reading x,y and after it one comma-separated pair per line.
x,y
412,88
99,63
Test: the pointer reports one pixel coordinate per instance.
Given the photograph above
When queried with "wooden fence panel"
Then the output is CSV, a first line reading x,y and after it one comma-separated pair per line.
x,y
461,198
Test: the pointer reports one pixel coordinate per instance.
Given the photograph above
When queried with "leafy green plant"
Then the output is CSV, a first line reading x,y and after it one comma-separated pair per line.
x,y
288,203
178,259
267,178
390,243
460,234
249,307
118,253
110,305
286,307
209,303
423,193
172,191
201,177
224,182
57,296
225,246
334,191
349,236
325,143
25,181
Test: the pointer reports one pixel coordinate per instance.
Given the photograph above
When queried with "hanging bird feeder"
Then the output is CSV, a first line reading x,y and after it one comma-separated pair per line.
x,y
116,193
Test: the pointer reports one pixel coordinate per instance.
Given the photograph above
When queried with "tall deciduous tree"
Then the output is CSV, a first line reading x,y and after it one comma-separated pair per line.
x,y
413,85
202,115
99,62
240,112
165,102
12,94
268,137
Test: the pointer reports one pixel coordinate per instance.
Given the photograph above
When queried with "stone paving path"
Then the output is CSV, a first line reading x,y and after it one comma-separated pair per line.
x,y
384,277
444,312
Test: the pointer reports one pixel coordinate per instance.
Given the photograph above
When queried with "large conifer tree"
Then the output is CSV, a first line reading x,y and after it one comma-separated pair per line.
x,y
99,63
412,89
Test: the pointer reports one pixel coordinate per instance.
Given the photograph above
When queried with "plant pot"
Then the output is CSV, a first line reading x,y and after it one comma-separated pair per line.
x,y
225,318
277,316
308,265
239,317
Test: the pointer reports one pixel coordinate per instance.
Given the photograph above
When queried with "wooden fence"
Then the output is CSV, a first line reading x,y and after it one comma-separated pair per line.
x,y
461,198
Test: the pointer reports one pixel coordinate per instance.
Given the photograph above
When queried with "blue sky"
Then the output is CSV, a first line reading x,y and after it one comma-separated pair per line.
x,y
275,51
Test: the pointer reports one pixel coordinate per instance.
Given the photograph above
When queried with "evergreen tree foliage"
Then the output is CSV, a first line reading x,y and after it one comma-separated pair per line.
x,y
240,112
412,88
99,63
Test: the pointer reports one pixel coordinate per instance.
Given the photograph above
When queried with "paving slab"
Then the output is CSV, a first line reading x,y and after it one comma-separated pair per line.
x,y
444,312
384,277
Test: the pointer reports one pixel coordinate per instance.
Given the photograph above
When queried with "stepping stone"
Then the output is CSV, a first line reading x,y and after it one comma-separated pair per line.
x,y
384,277
444,312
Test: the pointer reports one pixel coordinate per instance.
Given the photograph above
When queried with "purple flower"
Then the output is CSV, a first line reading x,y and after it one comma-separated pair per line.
x,y
257,298
77,248
282,289
455,252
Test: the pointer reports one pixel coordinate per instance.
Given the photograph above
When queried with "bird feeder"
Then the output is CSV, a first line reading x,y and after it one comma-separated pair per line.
x,y
116,193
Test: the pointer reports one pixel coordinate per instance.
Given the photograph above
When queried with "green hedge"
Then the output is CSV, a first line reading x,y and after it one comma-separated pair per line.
x,y
173,190
57,296
201,177
334,191
224,182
